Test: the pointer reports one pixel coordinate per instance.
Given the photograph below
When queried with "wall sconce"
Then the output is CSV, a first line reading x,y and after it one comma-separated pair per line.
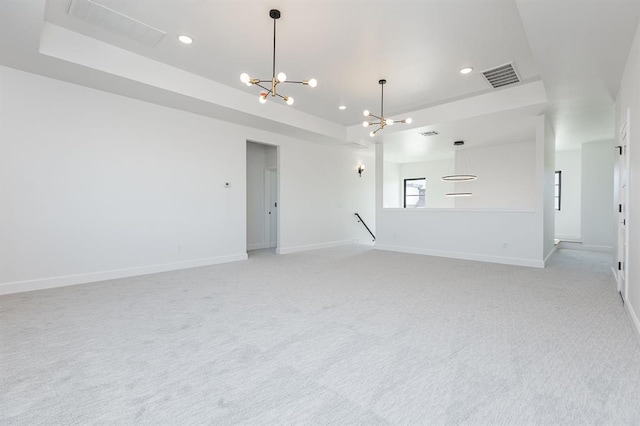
x,y
360,169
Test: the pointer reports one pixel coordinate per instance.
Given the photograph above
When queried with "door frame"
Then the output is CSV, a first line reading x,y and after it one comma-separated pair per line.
x,y
266,242
622,225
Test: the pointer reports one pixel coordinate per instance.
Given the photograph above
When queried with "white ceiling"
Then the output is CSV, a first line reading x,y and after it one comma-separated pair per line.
x,y
577,48
514,126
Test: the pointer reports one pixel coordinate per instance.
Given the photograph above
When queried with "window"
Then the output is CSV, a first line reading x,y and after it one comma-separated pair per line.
x,y
414,192
558,190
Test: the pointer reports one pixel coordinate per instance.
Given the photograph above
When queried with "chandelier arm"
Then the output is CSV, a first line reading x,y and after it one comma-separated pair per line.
x,y
289,81
268,90
377,130
373,115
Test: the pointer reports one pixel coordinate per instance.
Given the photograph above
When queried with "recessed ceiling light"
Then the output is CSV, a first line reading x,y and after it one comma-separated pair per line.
x,y
342,107
466,70
185,39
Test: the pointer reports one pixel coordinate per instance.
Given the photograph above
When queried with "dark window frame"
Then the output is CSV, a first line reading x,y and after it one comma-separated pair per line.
x,y
404,190
557,205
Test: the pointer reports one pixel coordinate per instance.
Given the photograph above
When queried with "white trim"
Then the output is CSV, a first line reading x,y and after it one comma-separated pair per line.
x,y
634,317
67,280
576,245
465,256
456,209
627,211
295,249
570,238
546,259
367,242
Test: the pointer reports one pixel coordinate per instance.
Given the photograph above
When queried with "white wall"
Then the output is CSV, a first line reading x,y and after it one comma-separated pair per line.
x,y
474,235
597,225
392,192
507,236
629,98
548,205
506,176
95,186
435,187
568,220
320,191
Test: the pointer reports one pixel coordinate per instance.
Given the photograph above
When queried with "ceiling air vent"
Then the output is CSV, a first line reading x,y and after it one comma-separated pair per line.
x,y
501,76
115,22
429,133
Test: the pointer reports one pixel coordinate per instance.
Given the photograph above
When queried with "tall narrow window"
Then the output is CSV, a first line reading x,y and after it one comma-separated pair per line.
x,y
414,192
558,190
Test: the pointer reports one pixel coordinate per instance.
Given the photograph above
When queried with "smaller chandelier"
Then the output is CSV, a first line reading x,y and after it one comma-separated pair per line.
x,y
275,79
381,120
460,177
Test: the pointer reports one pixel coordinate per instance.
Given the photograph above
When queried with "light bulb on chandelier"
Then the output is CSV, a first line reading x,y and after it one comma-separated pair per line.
x,y
275,79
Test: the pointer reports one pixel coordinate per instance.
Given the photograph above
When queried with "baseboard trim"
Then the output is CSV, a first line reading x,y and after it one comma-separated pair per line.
x,y
295,249
67,280
465,256
546,259
570,238
634,317
577,245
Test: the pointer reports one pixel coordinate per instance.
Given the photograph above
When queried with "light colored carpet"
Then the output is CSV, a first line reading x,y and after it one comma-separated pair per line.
x,y
338,336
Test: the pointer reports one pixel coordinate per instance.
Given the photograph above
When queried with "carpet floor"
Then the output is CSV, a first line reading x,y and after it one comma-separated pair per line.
x,y
347,335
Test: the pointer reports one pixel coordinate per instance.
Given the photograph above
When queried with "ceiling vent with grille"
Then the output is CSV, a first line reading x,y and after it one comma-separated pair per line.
x,y
115,22
429,133
503,75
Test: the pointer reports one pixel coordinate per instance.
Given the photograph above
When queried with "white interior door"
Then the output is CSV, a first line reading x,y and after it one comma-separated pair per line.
x,y
271,208
623,210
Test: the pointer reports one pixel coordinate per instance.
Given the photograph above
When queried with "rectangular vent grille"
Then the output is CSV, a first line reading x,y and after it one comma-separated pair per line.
x,y
429,133
115,22
501,76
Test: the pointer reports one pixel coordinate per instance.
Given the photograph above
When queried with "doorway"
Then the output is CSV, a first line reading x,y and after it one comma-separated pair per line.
x,y
262,198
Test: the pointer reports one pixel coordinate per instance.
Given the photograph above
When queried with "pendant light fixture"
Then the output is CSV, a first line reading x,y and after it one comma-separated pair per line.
x,y
381,120
275,79
459,177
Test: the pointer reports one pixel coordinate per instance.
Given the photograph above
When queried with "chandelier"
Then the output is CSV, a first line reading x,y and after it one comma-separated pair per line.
x,y
381,120
275,79
461,177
